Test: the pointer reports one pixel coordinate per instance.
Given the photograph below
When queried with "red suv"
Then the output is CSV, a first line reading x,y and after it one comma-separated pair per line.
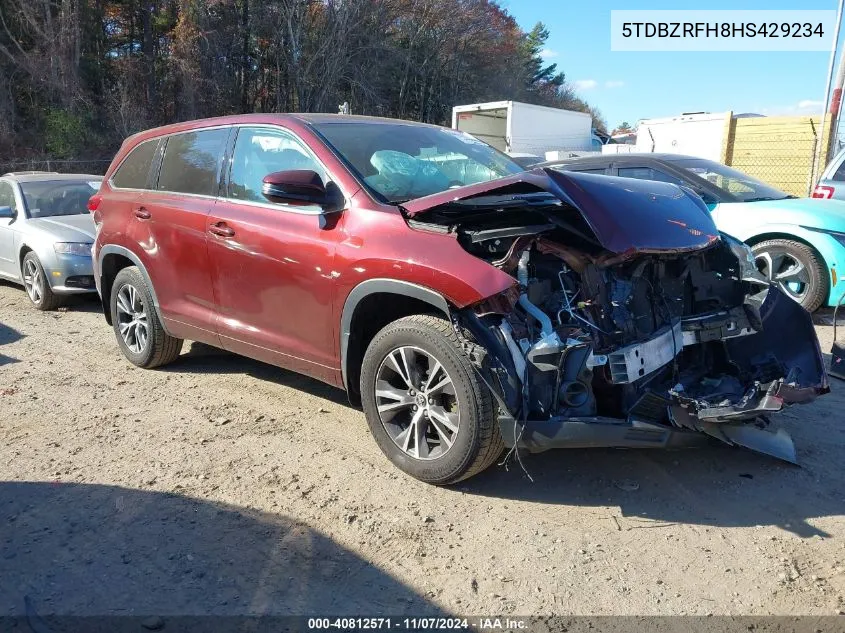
x,y
466,304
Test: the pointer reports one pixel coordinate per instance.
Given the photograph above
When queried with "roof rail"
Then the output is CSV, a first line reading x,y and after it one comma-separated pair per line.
x,y
28,173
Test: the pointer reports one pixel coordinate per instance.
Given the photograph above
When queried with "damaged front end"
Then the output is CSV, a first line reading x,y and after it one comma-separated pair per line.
x,y
632,322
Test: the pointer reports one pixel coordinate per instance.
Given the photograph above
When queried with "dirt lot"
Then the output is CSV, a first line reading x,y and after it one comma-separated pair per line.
x,y
222,485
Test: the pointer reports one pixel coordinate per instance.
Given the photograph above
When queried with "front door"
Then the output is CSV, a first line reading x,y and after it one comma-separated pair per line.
x,y
272,263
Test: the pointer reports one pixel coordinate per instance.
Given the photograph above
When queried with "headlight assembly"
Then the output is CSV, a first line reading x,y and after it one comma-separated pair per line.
x,y
72,248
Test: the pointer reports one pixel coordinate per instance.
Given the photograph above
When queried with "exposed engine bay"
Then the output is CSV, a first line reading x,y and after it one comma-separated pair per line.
x,y
642,346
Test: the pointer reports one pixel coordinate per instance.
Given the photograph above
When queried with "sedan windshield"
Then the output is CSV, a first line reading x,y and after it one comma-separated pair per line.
x,y
401,161
50,198
742,186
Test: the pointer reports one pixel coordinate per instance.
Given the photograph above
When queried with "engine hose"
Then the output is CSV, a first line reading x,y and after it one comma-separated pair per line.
x,y
522,277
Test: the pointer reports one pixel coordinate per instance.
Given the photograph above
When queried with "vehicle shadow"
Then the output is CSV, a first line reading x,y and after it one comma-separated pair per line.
x,y
8,335
83,303
89,302
824,316
206,359
93,550
715,485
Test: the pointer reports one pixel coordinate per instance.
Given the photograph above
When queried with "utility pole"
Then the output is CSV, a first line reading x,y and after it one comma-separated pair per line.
x,y
817,152
836,101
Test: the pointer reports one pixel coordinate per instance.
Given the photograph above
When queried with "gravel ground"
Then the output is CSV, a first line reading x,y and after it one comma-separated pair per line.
x,y
222,485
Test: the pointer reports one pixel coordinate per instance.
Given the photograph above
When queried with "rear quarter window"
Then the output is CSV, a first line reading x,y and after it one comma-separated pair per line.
x,y
134,172
192,161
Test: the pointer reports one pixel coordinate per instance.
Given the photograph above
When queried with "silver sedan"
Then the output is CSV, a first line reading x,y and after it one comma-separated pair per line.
x,y
46,234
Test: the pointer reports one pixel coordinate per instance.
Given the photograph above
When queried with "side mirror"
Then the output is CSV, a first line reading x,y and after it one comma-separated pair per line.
x,y
302,186
6,213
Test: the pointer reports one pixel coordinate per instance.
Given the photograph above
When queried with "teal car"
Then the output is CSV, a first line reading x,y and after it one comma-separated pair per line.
x,y
798,243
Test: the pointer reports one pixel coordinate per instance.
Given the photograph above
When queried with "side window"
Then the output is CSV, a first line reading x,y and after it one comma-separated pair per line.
x,y
647,173
262,151
7,196
840,172
601,171
191,162
134,172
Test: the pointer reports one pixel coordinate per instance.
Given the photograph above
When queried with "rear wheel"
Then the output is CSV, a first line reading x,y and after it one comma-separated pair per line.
x,y
139,332
795,268
428,410
36,284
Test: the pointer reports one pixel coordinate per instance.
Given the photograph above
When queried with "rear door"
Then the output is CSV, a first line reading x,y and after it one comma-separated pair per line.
x,y
169,228
272,263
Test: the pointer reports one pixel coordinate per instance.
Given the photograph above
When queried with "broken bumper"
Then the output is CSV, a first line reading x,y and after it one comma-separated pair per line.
x,y
674,420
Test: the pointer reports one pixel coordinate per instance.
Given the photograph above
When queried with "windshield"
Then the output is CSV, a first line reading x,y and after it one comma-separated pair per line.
x,y
401,161
742,186
50,198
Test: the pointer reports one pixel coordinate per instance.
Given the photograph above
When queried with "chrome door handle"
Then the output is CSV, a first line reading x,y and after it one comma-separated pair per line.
x,y
142,214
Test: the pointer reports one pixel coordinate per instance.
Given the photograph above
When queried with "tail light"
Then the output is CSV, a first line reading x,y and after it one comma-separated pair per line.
x,y
94,202
822,191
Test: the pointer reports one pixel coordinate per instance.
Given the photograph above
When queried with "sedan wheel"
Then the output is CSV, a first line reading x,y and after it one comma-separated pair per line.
x,y
795,269
36,284
33,281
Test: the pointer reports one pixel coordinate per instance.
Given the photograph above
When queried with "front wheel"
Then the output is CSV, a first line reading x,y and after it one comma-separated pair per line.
x,y
796,269
36,284
426,406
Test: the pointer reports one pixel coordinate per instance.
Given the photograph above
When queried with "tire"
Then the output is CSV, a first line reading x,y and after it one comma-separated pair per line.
x,y
425,342
776,257
155,347
37,285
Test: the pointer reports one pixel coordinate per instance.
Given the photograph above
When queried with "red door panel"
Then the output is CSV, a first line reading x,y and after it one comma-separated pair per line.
x,y
274,285
169,232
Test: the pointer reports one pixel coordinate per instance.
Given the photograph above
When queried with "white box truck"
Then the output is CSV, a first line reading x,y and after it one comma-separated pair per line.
x,y
695,134
525,129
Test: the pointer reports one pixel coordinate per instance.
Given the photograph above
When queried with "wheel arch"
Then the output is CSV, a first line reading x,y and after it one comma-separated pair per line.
x,y
111,260
370,306
22,252
27,247
778,235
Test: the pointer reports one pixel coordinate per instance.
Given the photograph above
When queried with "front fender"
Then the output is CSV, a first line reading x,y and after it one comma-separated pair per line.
x,y
42,248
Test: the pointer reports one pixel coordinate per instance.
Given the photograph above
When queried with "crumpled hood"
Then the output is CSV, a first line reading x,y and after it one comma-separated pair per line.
x,y
624,214
66,228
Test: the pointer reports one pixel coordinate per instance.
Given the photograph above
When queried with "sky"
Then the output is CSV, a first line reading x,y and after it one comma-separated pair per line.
x,y
628,86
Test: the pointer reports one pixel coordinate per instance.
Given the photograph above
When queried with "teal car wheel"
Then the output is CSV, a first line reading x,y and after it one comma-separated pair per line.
x,y
795,268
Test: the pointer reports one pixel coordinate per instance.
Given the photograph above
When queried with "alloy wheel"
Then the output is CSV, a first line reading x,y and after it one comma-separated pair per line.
x,y
33,281
783,269
417,403
132,319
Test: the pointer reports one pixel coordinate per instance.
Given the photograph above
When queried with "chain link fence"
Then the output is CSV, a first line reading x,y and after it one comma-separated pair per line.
x,y
94,166
780,151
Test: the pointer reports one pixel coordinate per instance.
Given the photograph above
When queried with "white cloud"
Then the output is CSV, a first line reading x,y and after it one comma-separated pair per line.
x,y
548,53
801,108
585,84
614,84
